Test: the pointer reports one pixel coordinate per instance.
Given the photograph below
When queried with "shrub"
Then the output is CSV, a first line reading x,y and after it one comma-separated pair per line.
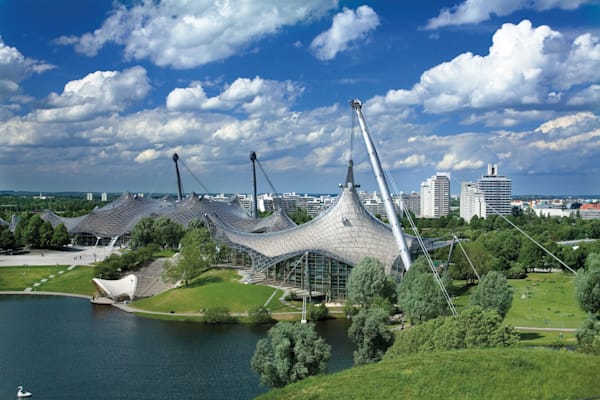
x,y
318,312
260,315
218,315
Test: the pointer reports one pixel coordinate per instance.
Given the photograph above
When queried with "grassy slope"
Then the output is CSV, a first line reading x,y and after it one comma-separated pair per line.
x,y
465,374
214,288
78,280
541,300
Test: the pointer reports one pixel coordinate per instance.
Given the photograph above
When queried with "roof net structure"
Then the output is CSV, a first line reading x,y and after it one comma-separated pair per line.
x,y
119,217
346,232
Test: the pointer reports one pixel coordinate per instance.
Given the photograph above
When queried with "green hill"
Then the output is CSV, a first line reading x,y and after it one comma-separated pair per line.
x,y
514,373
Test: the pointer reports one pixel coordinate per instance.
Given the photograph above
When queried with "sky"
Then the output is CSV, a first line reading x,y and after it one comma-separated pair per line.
x,y
98,95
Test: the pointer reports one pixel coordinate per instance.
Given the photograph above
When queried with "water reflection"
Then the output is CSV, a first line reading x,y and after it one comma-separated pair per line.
x,y
61,346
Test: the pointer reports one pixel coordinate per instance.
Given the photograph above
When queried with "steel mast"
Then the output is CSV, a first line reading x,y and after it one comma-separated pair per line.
x,y
383,187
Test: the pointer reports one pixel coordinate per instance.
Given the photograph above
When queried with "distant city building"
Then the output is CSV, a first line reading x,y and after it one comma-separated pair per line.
x,y
497,191
412,202
435,196
472,201
89,196
104,196
590,211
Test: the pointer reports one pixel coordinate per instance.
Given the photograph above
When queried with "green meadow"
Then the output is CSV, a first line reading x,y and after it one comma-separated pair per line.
x,y
214,288
507,373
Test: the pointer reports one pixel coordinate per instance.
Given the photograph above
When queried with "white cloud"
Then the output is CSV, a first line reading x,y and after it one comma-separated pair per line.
x,y
567,121
347,28
188,34
507,118
525,66
475,11
254,96
14,67
411,161
96,93
146,156
452,161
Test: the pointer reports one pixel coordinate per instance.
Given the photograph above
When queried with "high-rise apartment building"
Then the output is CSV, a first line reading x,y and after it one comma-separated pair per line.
x,y
412,202
497,190
472,201
435,196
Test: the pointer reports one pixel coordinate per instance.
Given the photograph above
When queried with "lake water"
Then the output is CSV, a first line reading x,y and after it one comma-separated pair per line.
x,y
66,348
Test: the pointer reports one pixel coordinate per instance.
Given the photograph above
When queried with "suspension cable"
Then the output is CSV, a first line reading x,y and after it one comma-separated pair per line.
x,y
436,276
206,191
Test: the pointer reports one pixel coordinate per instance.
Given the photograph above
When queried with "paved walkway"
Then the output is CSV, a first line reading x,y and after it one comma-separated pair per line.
x,y
69,256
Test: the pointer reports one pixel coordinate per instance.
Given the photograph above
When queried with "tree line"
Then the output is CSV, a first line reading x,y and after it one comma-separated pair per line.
x,y
293,351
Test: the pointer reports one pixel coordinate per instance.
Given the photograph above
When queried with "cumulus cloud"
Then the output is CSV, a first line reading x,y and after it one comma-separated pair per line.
x,y
147,155
475,11
507,118
411,161
14,67
568,121
256,96
188,34
96,93
525,66
347,28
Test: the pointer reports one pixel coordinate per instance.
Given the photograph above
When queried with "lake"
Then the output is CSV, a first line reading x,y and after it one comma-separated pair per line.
x,y
61,347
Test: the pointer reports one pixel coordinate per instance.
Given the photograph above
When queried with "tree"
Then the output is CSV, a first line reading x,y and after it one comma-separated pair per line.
x,y
367,280
474,327
45,233
142,232
300,216
7,239
493,292
587,285
419,295
588,336
31,234
260,315
198,253
291,352
370,333
60,237
482,260
166,232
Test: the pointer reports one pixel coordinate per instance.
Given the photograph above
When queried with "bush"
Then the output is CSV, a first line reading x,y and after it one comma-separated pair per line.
x,y
475,327
318,312
218,315
260,315
588,336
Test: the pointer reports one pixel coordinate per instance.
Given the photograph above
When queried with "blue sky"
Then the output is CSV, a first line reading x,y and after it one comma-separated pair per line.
x,y
98,95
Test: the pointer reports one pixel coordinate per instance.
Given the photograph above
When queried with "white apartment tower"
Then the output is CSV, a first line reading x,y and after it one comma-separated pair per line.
x,y
472,201
435,196
497,190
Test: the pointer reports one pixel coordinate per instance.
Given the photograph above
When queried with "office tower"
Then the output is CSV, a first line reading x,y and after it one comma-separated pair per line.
x,y
497,191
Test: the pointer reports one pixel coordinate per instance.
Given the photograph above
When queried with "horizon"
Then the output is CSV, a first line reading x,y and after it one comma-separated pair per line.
x,y
103,95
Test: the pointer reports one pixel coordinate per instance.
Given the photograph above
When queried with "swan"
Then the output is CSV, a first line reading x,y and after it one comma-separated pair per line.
x,y
21,393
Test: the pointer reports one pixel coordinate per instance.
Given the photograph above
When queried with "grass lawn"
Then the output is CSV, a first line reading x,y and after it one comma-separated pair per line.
x,y
214,288
77,280
543,300
515,373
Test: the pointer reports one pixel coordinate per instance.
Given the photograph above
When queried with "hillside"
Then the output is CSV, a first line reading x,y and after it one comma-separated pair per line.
x,y
466,374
